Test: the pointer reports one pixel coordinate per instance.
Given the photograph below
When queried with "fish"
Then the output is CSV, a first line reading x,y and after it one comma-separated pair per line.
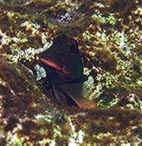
x,y
64,68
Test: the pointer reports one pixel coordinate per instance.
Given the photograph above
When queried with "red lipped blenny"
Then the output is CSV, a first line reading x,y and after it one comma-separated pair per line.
x,y
64,77
64,59
63,64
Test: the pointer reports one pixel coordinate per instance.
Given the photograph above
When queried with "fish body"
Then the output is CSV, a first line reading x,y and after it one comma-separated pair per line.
x,y
63,61
64,69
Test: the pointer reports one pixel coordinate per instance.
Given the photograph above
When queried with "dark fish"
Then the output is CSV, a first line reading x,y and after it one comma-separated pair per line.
x,y
62,61
63,64
64,68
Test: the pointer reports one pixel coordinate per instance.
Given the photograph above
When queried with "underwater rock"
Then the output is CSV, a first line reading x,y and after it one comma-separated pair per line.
x,y
18,90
